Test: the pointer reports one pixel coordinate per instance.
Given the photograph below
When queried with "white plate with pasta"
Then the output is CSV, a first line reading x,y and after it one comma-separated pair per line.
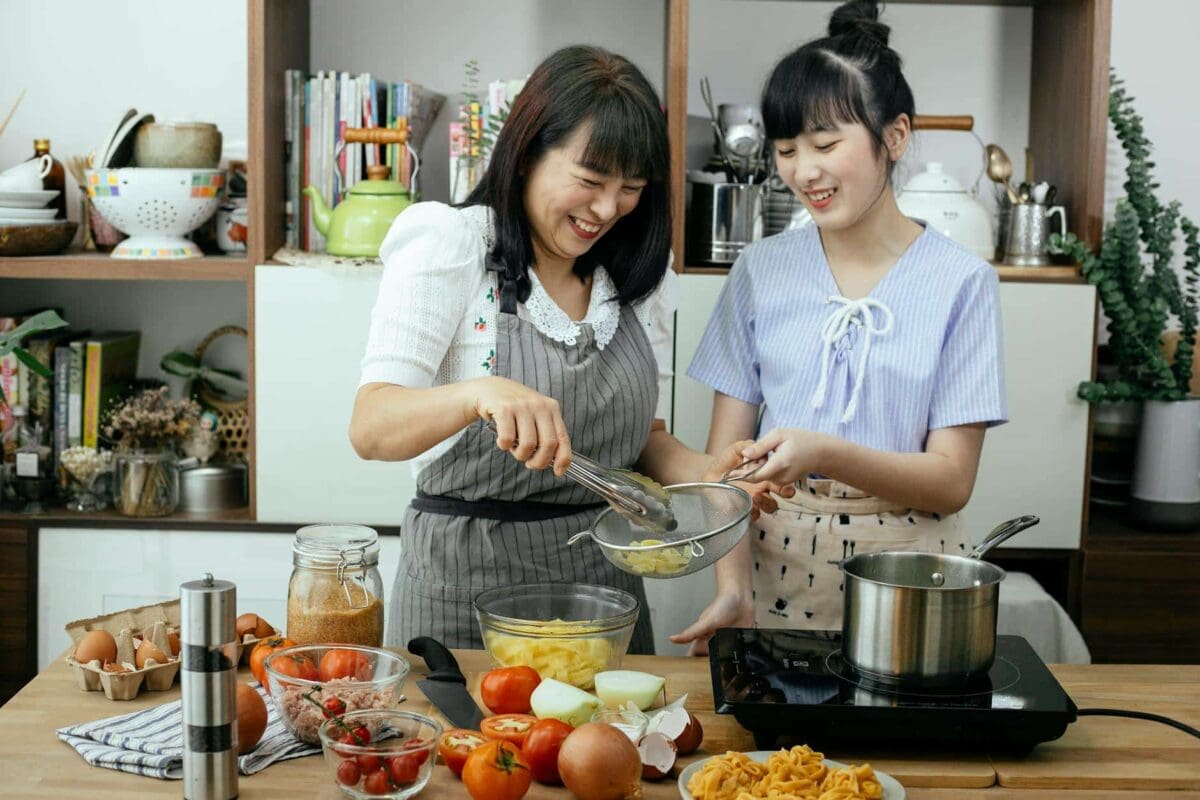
x,y
800,771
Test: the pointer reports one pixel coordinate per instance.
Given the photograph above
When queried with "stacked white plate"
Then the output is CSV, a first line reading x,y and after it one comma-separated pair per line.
x,y
27,208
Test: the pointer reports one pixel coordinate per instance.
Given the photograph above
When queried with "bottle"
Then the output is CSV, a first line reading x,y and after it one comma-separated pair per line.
x,y
55,179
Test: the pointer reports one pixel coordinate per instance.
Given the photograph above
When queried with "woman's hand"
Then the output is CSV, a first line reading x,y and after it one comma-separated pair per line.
x,y
794,453
528,424
727,610
760,490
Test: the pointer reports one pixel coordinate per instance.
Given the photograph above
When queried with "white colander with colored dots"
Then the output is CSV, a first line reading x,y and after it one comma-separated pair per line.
x,y
156,207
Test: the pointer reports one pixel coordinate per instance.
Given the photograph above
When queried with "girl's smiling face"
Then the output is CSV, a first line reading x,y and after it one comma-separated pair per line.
x,y
840,173
570,206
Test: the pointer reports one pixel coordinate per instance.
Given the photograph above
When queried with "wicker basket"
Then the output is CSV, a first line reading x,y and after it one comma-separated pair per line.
x,y
233,416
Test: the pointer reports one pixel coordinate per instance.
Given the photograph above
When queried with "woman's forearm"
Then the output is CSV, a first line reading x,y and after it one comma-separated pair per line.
x,y
396,423
669,461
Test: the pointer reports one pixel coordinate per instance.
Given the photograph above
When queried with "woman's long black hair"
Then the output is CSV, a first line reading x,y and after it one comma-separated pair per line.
x,y
628,138
850,76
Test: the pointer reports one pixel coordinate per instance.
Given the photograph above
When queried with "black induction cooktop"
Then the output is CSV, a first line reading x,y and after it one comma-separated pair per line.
x,y
791,687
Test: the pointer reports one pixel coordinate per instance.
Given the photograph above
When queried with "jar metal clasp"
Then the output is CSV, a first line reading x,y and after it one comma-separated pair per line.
x,y
353,558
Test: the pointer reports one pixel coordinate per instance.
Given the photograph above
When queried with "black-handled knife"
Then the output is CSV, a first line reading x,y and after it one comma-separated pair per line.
x,y
446,686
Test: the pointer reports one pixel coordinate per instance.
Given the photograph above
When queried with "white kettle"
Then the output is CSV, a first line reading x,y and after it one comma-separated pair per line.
x,y
941,202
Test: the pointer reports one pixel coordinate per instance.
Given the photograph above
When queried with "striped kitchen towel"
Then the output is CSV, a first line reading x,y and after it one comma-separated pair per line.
x,y
150,742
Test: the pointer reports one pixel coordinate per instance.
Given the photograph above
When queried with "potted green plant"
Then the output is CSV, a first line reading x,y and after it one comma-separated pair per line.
x,y
1144,299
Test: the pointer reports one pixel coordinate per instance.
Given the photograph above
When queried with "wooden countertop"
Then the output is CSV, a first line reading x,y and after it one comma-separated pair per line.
x,y
1097,758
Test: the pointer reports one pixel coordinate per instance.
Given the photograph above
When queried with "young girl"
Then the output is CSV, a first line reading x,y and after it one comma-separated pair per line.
x,y
866,347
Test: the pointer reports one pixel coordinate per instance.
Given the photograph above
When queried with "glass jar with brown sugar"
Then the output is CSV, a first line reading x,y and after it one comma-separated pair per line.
x,y
335,593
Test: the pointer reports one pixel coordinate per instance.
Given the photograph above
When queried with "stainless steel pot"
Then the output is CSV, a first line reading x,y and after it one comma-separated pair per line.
x,y
924,619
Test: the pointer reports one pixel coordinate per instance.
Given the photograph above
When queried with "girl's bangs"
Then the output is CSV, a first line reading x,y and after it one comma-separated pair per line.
x,y
812,93
622,142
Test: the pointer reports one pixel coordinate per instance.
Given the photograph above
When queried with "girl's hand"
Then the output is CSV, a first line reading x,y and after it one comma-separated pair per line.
x,y
760,490
727,610
794,453
528,424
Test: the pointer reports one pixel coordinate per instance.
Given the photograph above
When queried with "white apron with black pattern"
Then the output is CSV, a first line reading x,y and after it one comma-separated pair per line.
x,y
796,550
482,519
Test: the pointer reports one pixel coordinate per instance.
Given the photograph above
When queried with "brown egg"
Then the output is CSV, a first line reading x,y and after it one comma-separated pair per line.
x,y
246,623
173,639
264,629
251,718
96,646
148,650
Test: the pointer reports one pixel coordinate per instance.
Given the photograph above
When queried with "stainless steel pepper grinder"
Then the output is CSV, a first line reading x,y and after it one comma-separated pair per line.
x,y
208,644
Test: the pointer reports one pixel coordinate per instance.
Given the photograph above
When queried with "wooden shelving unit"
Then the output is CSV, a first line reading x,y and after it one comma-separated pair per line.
x,y
1050,274
99,267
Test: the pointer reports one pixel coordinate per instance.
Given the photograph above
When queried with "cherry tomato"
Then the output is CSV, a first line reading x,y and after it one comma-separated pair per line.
x,y
507,690
334,707
496,770
378,782
345,664
368,763
258,655
404,769
421,756
455,745
348,773
362,735
541,749
508,727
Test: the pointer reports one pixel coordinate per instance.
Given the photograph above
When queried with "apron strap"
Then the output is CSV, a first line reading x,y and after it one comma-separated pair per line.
x,y
509,282
499,510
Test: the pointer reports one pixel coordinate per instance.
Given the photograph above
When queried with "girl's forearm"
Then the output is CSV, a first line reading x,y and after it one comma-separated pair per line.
x,y
928,481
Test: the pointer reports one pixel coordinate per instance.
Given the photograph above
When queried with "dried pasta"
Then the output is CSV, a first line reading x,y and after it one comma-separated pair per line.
x,y
796,774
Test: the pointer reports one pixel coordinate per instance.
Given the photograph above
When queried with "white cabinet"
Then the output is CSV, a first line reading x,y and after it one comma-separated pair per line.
x,y
310,332
88,572
1034,464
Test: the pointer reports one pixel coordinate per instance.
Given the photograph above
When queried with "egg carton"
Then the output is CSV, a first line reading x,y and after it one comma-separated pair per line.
x,y
126,685
153,619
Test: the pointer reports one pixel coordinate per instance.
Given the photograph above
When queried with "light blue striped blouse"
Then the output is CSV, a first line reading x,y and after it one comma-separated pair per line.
x,y
923,348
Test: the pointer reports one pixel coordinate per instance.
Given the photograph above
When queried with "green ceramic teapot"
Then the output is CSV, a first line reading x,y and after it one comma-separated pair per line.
x,y
357,225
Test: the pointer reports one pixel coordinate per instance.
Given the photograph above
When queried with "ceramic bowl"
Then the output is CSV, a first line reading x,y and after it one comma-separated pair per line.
x,y
177,145
40,239
156,207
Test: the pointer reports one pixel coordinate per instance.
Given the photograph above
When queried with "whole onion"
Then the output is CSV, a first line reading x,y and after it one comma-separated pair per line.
x,y
598,762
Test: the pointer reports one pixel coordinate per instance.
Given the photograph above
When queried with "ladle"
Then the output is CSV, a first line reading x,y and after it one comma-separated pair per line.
x,y
999,169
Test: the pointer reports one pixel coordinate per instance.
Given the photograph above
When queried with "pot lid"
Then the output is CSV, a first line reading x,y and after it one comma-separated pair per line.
x,y
933,179
377,183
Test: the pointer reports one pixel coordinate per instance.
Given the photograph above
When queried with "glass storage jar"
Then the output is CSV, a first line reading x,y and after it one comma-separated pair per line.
x,y
335,594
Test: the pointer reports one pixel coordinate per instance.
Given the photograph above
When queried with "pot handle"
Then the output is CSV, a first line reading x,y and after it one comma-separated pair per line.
x,y
1003,532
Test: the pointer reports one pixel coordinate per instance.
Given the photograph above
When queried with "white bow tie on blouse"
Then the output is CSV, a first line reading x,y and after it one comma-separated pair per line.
x,y
837,325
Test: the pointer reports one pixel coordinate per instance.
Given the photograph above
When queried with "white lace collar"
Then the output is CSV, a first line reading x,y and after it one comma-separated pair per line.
x,y
602,314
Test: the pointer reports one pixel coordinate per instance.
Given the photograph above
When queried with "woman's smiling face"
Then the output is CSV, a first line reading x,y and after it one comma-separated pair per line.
x,y
839,174
570,206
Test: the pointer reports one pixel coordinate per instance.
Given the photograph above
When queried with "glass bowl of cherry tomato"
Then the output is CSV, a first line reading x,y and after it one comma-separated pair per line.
x,y
380,753
312,683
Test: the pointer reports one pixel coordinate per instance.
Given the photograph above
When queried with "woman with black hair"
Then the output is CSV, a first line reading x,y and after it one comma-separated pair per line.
x,y
543,305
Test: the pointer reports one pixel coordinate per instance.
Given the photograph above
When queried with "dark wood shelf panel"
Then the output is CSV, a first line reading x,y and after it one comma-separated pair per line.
x,y
100,267
61,517
1141,592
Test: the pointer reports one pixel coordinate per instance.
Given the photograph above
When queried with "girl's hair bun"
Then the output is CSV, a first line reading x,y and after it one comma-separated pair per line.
x,y
859,19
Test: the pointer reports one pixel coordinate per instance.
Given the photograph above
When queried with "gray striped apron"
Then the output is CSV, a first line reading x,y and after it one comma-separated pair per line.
x,y
481,519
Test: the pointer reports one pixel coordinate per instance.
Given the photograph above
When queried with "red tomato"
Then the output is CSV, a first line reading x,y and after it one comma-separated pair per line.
x,y
496,770
348,773
345,664
508,727
455,745
258,655
294,666
378,782
421,756
507,690
368,763
541,749
404,769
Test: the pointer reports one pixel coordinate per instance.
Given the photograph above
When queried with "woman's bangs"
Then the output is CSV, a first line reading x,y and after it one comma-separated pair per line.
x,y
814,95
622,143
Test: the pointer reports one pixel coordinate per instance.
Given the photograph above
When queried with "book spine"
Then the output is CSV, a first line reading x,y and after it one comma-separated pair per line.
x,y
91,394
62,388
75,394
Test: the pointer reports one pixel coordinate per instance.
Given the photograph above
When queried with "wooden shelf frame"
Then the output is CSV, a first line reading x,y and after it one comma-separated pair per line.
x,y
89,266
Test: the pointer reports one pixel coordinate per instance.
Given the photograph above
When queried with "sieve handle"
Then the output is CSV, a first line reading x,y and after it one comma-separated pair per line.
x,y
579,537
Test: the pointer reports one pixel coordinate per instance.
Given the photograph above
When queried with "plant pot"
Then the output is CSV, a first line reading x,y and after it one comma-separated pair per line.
x,y
146,483
1166,478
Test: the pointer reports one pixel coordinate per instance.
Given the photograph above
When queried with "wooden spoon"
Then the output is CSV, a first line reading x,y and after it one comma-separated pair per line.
x,y
999,169
4,124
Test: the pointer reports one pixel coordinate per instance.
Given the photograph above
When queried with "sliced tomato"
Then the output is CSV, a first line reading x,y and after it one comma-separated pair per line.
x,y
455,745
507,690
513,728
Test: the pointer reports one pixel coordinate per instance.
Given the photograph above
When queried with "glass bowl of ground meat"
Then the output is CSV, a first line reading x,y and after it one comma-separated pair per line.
x,y
313,682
